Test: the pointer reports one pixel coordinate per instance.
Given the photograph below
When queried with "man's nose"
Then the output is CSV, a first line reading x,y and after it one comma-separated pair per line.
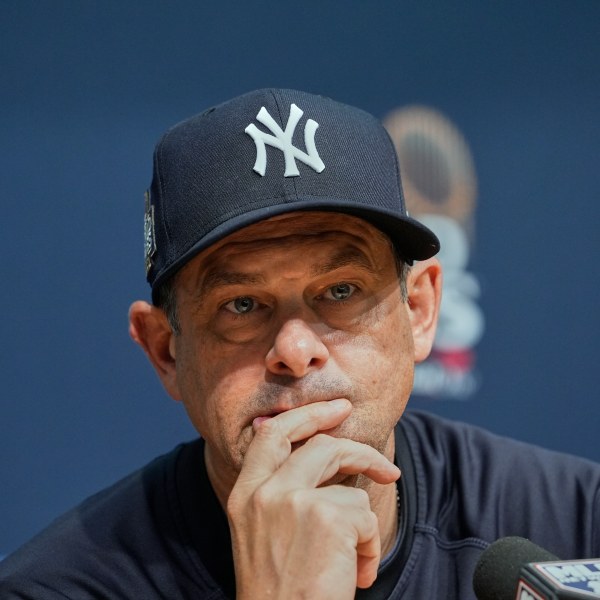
x,y
296,350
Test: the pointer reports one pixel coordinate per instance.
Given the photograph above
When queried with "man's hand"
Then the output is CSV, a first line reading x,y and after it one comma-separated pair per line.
x,y
291,538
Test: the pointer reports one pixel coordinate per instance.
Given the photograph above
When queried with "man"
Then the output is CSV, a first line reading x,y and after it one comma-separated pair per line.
x,y
287,316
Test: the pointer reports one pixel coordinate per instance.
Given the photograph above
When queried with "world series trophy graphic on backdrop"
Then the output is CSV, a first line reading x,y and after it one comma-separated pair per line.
x,y
440,186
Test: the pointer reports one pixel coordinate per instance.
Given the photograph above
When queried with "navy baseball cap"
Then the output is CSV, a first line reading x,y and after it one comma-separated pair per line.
x,y
265,153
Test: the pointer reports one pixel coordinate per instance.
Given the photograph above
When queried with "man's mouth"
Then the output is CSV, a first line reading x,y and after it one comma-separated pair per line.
x,y
265,417
256,421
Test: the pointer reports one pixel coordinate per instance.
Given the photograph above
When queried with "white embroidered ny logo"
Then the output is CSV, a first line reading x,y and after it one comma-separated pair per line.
x,y
283,140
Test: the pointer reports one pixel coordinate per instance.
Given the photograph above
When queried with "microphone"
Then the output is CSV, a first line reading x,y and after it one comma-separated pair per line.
x,y
514,568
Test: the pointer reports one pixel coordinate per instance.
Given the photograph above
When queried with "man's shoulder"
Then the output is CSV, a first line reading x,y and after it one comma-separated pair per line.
x,y
479,484
98,543
431,433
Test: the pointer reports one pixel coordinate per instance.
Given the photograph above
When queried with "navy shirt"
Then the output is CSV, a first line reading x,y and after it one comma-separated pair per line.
x,y
161,533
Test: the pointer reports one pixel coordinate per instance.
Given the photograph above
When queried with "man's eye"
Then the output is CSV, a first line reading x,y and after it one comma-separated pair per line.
x,y
340,291
241,305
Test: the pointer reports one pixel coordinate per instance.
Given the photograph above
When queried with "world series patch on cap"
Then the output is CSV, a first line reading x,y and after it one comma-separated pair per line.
x,y
266,153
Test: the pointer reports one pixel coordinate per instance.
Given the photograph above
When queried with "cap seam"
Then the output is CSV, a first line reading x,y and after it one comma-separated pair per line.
x,y
225,216
159,160
280,113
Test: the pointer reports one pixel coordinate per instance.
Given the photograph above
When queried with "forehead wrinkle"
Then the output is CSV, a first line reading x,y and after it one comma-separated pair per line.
x,y
347,257
214,276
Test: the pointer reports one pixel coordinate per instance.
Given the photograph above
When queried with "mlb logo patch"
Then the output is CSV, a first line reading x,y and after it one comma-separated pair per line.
x,y
149,237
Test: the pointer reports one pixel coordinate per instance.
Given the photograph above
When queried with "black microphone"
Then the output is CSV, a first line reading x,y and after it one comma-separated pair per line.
x,y
514,568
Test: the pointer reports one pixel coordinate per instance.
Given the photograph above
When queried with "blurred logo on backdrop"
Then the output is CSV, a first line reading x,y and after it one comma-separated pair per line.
x,y
440,185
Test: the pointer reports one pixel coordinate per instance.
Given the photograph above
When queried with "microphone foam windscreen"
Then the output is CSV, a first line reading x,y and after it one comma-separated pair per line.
x,y
497,572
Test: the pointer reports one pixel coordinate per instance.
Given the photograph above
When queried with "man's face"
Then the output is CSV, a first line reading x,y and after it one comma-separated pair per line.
x,y
300,308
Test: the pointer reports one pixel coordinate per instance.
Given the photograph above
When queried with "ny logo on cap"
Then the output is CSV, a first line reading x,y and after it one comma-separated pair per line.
x,y
283,140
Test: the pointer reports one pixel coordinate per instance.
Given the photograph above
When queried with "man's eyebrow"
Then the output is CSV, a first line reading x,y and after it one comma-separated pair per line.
x,y
348,257
216,278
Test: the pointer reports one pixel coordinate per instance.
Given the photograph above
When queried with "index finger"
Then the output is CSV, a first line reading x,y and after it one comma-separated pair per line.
x,y
273,439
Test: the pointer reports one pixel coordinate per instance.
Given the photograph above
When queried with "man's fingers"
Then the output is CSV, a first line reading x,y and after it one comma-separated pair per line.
x,y
320,458
357,520
367,563
323,456
273,438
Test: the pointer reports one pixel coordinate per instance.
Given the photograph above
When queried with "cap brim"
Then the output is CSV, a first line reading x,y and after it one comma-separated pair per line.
x,y
412,239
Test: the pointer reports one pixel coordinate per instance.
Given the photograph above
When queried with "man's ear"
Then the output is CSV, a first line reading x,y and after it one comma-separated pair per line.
x,y
149,327
424,296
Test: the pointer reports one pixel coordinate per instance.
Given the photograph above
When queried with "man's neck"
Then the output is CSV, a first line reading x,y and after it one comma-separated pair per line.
x,y
384,503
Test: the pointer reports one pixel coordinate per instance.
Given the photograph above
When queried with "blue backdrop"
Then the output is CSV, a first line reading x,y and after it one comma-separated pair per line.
x,y
87,88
